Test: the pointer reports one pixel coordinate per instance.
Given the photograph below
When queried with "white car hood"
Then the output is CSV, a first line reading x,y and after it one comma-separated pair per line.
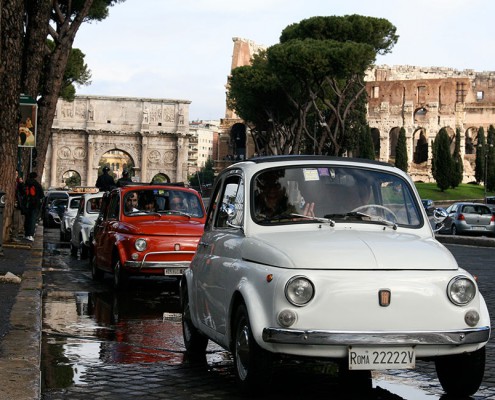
x,y
348,249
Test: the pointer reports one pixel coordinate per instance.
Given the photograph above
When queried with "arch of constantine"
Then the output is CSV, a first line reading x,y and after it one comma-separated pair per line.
x,y
152,133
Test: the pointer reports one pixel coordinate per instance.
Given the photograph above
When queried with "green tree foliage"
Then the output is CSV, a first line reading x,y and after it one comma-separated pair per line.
x,y
204,177
479,166
442,163
366,148
76,73
457,159
307,93
401,151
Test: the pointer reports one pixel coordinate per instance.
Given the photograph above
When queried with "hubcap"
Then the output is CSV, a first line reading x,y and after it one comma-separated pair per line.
x,y
242,352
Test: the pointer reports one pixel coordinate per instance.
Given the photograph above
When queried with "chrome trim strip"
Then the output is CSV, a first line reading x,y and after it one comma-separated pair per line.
x,y
321,337
157,264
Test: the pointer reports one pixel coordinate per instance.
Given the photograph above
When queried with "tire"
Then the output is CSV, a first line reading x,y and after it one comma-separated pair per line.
x,y
96,273
84,249
461,374
194,342
453,229
120,277
252,363
73,250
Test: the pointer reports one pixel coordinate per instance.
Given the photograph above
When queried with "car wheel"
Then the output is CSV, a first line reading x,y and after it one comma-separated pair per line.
x,y
84,249
194,341
252,363
119,276
461,374
453,230
96,273
73,250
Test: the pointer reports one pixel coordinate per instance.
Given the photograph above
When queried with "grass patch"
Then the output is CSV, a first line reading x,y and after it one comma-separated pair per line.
x,y
465,191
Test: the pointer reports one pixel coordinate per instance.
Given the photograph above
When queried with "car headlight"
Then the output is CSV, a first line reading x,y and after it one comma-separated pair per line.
x,y
299,290
140,244
461,290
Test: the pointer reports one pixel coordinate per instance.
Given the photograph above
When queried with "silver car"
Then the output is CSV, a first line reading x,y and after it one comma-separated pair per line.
x,y
68,217
469,218
84,221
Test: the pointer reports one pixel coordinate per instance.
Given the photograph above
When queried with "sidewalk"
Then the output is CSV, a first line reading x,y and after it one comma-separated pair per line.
x,y
20,317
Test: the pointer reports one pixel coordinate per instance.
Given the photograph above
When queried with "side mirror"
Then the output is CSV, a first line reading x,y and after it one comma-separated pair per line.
x,y
228,211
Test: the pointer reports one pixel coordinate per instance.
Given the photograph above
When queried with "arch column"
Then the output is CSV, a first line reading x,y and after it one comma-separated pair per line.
x,y
89,167
144,160
53,163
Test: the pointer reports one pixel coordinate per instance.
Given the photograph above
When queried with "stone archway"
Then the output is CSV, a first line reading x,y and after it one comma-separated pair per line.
x,y
420,143
375,137
160,178
118,161
393,138
71,178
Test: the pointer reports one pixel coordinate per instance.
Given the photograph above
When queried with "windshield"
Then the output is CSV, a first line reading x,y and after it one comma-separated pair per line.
x,y
305,194
146,201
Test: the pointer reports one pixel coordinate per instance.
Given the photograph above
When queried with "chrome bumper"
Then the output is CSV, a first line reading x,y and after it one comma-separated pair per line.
x,y
143,264
319,337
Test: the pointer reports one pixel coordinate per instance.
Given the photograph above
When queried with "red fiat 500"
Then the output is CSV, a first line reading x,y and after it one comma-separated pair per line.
x,y
146,230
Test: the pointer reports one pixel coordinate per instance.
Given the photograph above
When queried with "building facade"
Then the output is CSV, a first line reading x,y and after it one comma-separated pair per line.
x,y
422,100
152,134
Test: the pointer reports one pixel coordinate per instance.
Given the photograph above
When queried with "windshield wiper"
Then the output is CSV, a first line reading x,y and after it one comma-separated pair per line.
x,y
366,217
318,219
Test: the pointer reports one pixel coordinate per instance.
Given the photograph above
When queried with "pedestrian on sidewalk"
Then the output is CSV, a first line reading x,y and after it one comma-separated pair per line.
x,y
19,210
34,196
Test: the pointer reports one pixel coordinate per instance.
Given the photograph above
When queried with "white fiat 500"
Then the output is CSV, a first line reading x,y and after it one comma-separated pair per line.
x,y
333,258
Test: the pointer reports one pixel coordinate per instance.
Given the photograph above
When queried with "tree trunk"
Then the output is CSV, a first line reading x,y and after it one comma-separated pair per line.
x,y
11,30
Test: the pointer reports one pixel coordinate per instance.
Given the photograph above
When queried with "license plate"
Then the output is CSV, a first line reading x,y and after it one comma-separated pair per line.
x,y
174,271
478,228
367,358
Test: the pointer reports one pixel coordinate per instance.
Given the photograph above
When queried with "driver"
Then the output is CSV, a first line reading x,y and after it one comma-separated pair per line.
x,y
272,199
131,202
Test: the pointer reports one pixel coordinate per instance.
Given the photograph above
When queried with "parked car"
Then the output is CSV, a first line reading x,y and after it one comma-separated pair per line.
x,y
84,220
68,216
469,218
51,195
56,211
146,230
490,202
329,258
429,206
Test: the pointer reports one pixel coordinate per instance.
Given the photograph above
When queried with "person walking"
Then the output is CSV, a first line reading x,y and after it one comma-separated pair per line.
x,y
105,181
125,179
32,203
18,218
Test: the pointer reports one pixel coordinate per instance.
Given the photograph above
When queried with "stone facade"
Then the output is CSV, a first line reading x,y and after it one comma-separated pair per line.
x,y
422,100
154,133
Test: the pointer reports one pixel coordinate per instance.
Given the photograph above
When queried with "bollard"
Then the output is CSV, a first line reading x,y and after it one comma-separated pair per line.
x,y
2,206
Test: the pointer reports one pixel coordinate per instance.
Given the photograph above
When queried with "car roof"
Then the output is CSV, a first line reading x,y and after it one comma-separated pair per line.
x,y
304,157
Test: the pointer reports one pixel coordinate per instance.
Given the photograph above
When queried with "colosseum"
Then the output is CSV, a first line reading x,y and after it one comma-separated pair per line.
x,y
422,100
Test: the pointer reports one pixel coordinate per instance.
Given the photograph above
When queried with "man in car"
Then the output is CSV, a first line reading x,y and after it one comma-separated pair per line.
x,y
131,202
177,203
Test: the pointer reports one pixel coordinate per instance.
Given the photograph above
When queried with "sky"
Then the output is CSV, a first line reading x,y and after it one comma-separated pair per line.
x,y
182,49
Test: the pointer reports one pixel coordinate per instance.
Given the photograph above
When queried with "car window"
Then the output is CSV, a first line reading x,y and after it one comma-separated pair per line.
x,y
231,211
281,194
93,205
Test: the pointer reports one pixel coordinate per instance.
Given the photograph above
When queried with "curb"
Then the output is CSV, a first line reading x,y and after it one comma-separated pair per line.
x,y
21,348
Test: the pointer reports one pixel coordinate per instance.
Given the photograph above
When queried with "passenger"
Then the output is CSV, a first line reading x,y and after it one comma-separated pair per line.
x,y
177,203
131,202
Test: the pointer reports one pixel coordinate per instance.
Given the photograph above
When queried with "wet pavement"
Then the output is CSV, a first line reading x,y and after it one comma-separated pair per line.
x,y
97,343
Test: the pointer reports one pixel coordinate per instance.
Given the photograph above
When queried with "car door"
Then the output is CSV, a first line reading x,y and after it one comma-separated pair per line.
x,y
219,248
105,234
